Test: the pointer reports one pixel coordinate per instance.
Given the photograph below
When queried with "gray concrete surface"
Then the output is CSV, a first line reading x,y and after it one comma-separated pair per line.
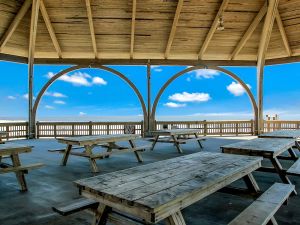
x,y
53,184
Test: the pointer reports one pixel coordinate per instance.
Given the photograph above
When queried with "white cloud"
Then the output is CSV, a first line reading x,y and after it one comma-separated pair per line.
x,y
205,73
188,79
174,105
190,97
80,79
10,97
82,113
55,94
236,89
59,102
156,68
26,96
99,81
49,107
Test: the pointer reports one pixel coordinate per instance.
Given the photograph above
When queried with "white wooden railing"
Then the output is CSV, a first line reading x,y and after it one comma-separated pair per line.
x,y
16,130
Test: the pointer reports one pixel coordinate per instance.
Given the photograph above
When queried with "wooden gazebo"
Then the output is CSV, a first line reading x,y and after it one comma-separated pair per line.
x,y
199,33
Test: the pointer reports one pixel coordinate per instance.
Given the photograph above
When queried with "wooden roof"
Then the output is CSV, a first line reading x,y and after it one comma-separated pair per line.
x,y
163,31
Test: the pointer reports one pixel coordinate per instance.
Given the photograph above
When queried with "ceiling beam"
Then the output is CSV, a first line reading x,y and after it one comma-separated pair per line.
x,y
132,28
91,25
212,29
262,50
14,24
249,31
283,33
33,30
50,28
173,29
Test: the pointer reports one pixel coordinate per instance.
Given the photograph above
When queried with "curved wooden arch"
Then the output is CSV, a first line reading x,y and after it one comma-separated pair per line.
x,y
73,68
232,75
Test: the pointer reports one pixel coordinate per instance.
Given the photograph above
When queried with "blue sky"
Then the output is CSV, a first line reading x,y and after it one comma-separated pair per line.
x,y
92,94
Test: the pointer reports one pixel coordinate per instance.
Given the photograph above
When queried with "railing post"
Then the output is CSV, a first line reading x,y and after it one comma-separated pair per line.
x,y
221,128
7,132
37,130
204,127
90,128
142,129
55,130
236,128
107,129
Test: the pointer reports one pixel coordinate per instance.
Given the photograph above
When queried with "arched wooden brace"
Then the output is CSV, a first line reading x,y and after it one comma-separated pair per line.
x,y
232,75
73,68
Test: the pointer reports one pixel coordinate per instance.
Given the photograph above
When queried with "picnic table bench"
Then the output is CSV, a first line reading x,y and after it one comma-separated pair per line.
x,y
269,148
106,141
177,137
12,151
160,190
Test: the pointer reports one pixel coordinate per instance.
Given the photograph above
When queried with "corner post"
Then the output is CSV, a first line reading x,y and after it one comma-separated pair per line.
x,y
149,122
31,50
263,46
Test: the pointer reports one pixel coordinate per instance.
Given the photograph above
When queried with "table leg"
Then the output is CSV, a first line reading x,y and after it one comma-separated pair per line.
x,y
89,152
154,142
251,183
66,155
19,174
175,219
280,171
199,142
110,148
137,154
101,215
297,145
293,154
176,143
272,221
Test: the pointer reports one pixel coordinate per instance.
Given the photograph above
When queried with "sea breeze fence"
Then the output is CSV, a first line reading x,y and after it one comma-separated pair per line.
x,y
19,130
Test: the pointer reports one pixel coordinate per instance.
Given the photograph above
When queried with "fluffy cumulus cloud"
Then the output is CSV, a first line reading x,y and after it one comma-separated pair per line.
x,y
82,113
236,89
59,102
174,105
205,73
190,97
10,97
156,68
80,79
55,94
26,96
49,107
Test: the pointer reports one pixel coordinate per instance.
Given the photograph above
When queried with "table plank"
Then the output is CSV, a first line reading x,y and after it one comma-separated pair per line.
x,y
11,148
281,134
269,147
175,132
97,139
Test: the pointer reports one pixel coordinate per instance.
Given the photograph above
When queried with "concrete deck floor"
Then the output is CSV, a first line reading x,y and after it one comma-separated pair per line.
x,y
53,184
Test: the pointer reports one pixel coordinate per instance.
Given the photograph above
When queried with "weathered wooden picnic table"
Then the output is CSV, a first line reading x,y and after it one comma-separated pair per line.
x,y
106,141
12,151
177,137
2,134
160,190
269,148
295,134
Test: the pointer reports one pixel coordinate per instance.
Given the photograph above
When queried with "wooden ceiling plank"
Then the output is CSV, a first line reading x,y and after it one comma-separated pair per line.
x,y
50,28
132,28
33,30
249,31
173,29
91,25
14,24
212,29
283,33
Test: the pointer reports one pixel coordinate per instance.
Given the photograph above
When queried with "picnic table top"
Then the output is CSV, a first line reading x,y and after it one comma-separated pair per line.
x,y
152,191
97,139
282,134
175,131
260,146
11,148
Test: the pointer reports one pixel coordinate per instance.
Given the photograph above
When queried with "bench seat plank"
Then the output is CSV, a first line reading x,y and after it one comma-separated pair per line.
x,y
9,169
295,168
261,211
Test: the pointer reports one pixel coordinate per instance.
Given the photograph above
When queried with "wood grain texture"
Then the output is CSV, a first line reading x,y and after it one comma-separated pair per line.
x,y
281,134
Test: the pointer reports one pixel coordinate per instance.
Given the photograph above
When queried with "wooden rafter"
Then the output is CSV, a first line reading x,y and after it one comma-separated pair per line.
x,y
12,27
262,50
283,33
132,28
173,29
50,28
249,31
91,25
212,29
33,29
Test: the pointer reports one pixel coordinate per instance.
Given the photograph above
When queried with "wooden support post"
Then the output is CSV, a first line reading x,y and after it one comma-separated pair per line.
x,y
132,28
263,46
31,50
148,125
91,25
